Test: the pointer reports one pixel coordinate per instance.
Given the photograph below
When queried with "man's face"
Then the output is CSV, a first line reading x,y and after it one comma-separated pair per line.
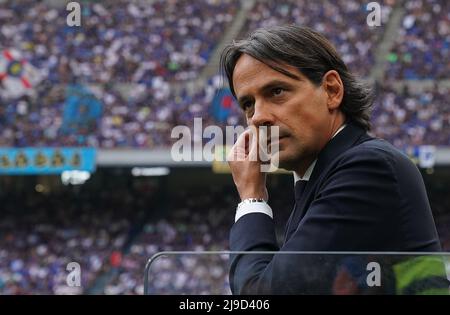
x,y
298,107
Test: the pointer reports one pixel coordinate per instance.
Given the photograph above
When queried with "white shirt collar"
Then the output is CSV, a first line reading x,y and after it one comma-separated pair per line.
x,y
310,169
307,173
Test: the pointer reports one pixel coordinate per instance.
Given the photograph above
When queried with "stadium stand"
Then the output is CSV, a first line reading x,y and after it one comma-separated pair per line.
x,y
422,45
113,227
119,41
41,233
122,81
412,118
144,116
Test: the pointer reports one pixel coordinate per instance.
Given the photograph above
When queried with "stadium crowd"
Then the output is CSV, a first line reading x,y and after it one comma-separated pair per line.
x,y
146,118
118,41
112,231
40,233
411,117
196,223
124,41
152,46
422,45
141,118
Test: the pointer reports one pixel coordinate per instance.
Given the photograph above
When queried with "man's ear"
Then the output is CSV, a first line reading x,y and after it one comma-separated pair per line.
x,y
334,88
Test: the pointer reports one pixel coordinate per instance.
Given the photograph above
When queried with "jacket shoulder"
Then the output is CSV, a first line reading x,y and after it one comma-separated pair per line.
x,y
376,149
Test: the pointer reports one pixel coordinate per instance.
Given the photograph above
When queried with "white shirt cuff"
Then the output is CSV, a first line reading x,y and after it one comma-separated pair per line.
x,y
257,207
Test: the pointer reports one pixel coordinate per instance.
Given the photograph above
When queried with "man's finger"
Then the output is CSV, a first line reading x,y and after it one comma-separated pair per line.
x,y
240,149
243,140
253,152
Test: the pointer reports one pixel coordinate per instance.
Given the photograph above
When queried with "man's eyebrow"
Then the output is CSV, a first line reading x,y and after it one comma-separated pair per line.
x,y
273,84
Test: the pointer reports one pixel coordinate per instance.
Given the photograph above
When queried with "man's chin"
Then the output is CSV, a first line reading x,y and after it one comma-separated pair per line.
x,y
286,162
285,159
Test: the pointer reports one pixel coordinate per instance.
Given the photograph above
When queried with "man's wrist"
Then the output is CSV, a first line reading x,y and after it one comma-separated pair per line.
x,y
254,195
252,205
251,200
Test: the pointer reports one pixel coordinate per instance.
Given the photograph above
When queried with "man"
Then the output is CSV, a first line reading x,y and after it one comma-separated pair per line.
x,y
353,192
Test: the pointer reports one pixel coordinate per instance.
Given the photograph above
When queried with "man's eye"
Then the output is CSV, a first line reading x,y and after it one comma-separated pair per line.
x,y
246,105
277,91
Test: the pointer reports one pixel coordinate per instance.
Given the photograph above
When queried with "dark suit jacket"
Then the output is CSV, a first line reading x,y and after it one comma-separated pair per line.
x,y
363,195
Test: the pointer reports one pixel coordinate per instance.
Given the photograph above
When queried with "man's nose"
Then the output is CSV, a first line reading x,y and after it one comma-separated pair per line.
x,y
262,115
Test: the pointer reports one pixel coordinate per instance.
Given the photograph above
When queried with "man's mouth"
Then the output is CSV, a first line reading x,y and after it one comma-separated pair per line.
x,y
283,136
278,140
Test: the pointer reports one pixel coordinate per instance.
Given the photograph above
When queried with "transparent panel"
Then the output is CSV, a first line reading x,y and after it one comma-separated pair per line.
x,y
328,273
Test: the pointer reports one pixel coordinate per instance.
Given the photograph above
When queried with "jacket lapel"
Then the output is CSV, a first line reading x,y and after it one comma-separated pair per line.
x,y
350,136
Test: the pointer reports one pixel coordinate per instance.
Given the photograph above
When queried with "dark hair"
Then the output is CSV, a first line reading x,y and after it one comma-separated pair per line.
x,y
312,54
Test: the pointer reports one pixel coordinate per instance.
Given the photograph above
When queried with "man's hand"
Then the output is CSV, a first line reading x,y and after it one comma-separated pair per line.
x,y
245,167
